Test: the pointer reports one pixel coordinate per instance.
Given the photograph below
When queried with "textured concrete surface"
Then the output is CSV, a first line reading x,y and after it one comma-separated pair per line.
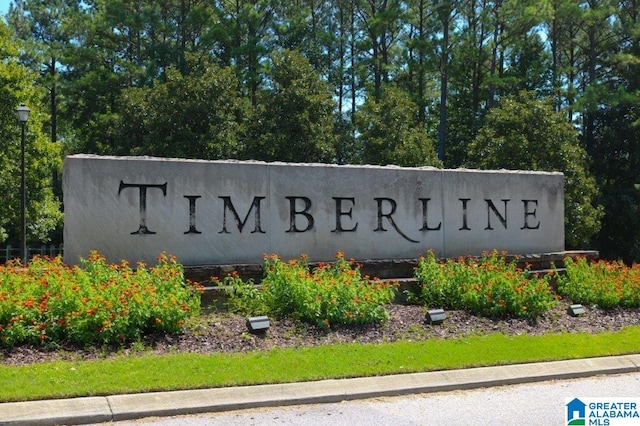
x,y
229,212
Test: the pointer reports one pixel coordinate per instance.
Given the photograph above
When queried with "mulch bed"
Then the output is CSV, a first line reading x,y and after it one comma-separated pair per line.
x,y
223,332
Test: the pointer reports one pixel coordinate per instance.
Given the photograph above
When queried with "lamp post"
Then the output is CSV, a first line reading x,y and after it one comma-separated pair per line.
x,y
23,115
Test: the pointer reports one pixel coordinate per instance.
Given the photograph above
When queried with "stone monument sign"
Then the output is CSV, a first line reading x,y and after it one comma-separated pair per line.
x,y
222,212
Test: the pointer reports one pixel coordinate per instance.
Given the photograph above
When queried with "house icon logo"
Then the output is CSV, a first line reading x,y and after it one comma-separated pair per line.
x,y
576,412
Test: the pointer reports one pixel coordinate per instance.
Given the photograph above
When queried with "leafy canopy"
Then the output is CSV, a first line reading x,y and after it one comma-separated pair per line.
x,y
524,133
391,132
42,157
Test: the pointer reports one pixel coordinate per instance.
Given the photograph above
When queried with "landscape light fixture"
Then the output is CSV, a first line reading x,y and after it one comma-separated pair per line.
x,y
576,310
436,316
258,324
22,112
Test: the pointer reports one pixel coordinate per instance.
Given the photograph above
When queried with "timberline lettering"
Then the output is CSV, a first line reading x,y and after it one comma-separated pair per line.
x,y
389,216
293,213
492,208
301,218
192,214
142,188
340,213
530,212
425,225
228,206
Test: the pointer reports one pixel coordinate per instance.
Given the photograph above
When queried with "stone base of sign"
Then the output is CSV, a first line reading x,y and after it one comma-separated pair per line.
x,y
232,212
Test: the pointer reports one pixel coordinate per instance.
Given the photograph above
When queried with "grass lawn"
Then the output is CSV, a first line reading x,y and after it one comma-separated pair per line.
x,y
145,372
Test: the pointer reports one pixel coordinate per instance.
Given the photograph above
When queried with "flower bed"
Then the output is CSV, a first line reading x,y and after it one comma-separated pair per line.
x,y
489,286
329,294
604,284
48,303
97,303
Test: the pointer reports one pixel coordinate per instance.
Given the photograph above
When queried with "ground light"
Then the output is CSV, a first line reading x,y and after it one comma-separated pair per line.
x,y
436,316
258,324
576,310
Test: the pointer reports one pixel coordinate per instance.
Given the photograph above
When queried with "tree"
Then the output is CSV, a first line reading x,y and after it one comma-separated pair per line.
x,y
97,68
294,121
616,126
41,156
524,133
381,22
242,34
515,24
195,115
427,57
562,32
467,75
391,133
48,30
122,44
618,175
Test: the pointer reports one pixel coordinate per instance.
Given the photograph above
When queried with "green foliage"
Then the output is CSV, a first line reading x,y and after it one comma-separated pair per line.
x,y
100,303
111,68
295,120
391,132
199,114
488,287
440,283
604,284
618,173
47,31
330,294
243,297
42,158
492,287
524,133
619,237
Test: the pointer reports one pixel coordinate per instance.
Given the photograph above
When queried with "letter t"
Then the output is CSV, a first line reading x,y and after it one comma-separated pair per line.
x,y
143,203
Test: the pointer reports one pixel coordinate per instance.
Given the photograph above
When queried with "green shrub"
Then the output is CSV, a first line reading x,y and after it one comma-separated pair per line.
x,y
440,283
96,303
502,289
243,297
329,294
489,286
605,284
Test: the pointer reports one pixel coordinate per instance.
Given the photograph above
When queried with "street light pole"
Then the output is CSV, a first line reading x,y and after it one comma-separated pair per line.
x,y
22,113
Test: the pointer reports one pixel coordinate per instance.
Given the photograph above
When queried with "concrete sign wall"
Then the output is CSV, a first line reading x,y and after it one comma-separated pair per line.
x,y
221,212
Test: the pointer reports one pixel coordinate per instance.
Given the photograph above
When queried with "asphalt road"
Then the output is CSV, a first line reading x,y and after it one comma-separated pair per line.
x,y
540,403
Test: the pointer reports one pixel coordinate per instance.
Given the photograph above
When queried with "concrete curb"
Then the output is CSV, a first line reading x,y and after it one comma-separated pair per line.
x,y
156,404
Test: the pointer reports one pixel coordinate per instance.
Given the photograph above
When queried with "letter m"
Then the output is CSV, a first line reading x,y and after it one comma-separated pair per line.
x,y
228,206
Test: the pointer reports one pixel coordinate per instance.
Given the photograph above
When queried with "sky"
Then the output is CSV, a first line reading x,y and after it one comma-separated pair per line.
x,y
4,7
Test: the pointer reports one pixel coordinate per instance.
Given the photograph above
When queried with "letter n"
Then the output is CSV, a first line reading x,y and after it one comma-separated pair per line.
x,y
492,208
